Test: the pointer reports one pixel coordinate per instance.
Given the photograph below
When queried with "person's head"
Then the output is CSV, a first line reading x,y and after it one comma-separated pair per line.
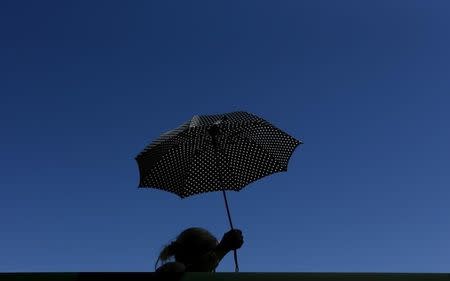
x,y
190,245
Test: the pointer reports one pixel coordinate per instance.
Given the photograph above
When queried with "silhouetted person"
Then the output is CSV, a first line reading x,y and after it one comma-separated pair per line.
x,y
197,250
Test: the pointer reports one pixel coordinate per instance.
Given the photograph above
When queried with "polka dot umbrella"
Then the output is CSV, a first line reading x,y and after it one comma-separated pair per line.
x,y
215,153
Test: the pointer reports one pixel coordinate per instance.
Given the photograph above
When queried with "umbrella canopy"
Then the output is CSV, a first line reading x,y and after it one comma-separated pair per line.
x,y
214,153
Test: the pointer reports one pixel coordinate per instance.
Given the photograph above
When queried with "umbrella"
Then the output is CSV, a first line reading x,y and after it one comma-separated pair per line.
x,y
215,153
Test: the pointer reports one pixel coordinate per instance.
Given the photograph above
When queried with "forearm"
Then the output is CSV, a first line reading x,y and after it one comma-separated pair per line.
x,y
221,251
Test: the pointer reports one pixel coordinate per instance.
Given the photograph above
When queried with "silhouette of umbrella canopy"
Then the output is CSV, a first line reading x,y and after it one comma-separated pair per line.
x,y
215,153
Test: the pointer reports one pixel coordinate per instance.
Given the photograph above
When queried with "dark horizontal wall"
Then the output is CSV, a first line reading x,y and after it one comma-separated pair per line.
x,y
131,276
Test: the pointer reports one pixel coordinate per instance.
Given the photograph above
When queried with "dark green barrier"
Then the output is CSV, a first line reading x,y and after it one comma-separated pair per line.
x,y
132,276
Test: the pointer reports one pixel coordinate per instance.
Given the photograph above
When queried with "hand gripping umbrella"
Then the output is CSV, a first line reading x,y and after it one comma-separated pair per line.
x,y
215,153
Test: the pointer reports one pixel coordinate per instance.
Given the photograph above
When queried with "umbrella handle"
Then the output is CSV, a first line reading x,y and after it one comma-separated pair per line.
x,y
236,268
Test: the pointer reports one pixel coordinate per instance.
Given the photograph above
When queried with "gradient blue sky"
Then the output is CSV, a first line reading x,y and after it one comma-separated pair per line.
x,y
85,85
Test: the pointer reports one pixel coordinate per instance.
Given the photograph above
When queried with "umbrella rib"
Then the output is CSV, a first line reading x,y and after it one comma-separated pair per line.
x,y
189,170
173,147
180,141
261,146
225,156
242,128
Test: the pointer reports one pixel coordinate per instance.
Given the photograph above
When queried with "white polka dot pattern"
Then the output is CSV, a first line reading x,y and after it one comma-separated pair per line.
x,y
186,162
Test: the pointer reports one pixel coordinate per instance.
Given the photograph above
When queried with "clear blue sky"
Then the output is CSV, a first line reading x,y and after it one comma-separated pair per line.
x,y
85,85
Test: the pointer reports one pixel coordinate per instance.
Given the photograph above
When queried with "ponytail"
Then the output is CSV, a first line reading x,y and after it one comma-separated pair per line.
x,y
167,252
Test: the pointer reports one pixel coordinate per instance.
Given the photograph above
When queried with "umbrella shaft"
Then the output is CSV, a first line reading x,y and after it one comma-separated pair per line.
x,y
231,225
228,209
216,147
